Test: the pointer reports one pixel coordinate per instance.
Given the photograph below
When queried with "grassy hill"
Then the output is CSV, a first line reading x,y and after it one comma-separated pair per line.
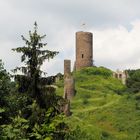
x,y
102,109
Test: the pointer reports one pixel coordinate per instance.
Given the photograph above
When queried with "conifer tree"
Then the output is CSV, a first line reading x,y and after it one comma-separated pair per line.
x,y
33,56
43,106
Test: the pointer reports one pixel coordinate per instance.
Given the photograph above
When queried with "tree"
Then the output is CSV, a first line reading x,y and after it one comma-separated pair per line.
x,y
133,81
4,93
41,98
33,56
4,86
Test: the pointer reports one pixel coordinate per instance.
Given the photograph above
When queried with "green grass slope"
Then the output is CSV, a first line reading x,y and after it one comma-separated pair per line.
x,y
101,109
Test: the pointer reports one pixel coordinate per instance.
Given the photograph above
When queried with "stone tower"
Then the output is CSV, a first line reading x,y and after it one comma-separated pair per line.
x,y
69,83
84,50
69,86
67,67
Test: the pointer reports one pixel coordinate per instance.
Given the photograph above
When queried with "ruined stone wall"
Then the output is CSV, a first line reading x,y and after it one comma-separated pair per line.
x,y
69,87
84,50
121,75
69,84
67,67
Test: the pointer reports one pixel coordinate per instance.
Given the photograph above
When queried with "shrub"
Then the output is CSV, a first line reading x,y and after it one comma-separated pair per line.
x,y
133,82
105,134
85,101
137,96
137,106
79,134
97,71
85,96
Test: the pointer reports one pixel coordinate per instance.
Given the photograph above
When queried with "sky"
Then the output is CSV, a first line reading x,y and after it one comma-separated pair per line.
x,y
115,26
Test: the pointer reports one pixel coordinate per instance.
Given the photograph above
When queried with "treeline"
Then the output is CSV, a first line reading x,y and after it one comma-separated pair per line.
x,y
133,81
30,110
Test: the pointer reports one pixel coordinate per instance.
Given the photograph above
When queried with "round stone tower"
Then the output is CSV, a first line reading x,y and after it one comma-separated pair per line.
x,y
84,50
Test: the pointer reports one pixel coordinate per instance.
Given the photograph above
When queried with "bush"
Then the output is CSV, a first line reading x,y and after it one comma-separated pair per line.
x,y
79,134
16,130
133,82
137,106
85,101
137,96
85,96
105,135
97,71
88,87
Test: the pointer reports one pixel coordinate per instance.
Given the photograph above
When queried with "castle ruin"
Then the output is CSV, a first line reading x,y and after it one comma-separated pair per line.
x,y
84,50
84,58
121,75
69,86
69,83
67,67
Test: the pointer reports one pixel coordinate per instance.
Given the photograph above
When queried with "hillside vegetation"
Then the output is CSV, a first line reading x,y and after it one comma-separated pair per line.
x,y
102,109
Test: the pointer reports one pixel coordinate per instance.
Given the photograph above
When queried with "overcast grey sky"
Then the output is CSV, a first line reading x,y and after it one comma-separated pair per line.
x,y
115,25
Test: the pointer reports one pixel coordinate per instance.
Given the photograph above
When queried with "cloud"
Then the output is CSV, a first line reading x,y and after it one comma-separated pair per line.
x,y
97,13
115,48
118,47
115,25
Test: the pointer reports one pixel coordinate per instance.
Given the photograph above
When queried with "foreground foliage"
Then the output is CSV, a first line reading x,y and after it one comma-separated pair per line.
x,y
37,108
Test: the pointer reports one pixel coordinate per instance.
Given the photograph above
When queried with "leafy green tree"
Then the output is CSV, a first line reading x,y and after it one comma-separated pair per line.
x,y
16,130
4,85
133,81
4,94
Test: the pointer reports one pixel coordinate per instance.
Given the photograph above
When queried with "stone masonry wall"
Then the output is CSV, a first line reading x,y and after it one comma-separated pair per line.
x,y
84,50
69,84
67,67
